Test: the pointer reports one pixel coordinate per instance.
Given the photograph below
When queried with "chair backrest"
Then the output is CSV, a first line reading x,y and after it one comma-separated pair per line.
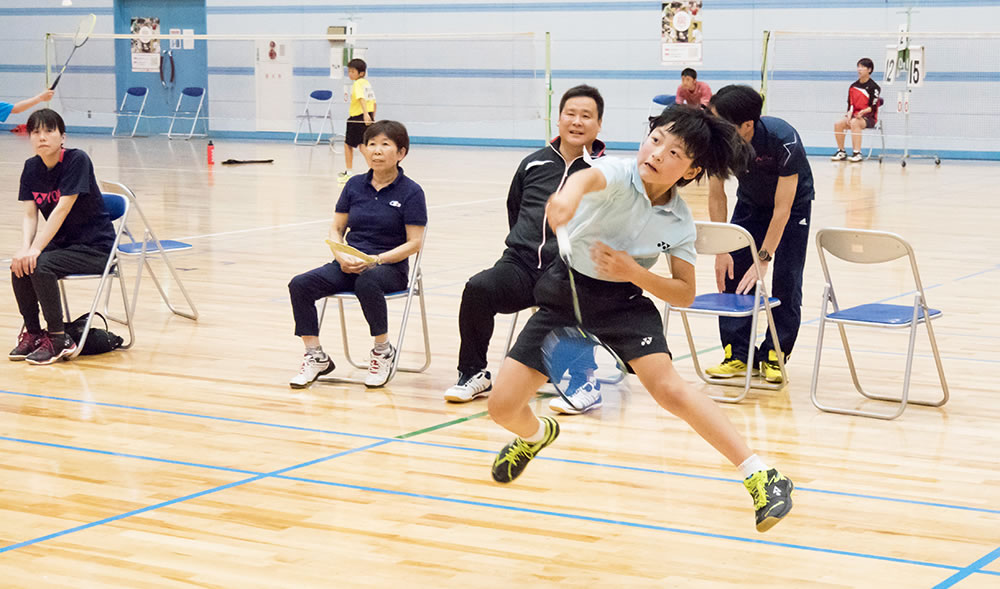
x,y
721,238
664,99
193,91
865,246
115,204
137,91
862,246
321,95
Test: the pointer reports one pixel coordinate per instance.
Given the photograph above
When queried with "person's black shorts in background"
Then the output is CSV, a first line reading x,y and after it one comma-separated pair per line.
x,y
355,134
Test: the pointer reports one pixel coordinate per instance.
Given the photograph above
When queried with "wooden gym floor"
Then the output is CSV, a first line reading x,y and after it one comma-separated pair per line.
x,y
187,460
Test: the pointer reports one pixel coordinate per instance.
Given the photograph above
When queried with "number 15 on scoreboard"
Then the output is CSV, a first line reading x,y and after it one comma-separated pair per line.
x,y
896,65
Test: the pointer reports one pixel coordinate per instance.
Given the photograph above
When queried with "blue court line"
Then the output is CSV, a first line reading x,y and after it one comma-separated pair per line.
x,y
975,567
483,451
278,474
121,516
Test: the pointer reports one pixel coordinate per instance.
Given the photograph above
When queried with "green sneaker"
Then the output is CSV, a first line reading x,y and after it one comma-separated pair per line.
x,y
729,367
772,497
510,462
770,369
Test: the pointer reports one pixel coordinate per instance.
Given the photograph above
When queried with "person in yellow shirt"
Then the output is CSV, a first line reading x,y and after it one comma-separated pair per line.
x,y
360,114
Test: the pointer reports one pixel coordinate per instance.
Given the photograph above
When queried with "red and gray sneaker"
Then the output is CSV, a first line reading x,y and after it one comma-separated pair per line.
x,y
52,348
26,343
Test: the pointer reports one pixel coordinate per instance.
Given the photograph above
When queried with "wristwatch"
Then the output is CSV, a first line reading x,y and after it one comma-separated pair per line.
x,y
764,255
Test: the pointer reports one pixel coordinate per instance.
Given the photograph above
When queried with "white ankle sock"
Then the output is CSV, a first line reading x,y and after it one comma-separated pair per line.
x,y
537,436
752,465
382,347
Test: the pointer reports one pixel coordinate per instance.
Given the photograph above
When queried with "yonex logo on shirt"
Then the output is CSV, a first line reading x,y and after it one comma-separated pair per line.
x,y
44,197
646,341
395,203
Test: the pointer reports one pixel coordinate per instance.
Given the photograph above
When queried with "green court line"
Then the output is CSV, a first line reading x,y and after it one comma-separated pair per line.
x,y
459,420
442,425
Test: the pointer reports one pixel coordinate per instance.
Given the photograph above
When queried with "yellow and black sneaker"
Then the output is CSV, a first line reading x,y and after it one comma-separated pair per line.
x,y
772,497
729,367
510,462
770,369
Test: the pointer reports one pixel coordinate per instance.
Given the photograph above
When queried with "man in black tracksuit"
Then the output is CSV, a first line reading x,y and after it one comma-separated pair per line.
x,y
509,285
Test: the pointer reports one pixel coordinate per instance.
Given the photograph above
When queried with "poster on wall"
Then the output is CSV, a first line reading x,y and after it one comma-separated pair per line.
x,y
145,44
680,39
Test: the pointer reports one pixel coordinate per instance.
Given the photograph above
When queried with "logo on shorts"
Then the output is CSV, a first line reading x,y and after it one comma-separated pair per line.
x,y
395,203
664,246
645,341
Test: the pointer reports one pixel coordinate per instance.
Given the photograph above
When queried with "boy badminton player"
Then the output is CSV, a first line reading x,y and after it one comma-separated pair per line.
x,y
360,113
7,108
621,215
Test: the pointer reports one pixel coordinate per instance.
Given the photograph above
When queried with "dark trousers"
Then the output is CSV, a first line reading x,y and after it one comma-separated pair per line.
x,y
786,278
507,287
42,285
370,287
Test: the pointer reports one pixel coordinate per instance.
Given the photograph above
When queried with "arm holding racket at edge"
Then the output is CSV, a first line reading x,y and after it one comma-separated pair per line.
x,y
30,102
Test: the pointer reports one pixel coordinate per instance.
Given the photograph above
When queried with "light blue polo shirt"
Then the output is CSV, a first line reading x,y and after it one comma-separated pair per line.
x,y
5,110
622,217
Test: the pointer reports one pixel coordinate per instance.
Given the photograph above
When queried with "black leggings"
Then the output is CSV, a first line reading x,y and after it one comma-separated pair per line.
x,y
42,285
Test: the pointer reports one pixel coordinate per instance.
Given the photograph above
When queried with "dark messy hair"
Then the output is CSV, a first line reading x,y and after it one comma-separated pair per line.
x,y
393,130
690,72
46,119
358,64
586,91
738,103
865,62
712,143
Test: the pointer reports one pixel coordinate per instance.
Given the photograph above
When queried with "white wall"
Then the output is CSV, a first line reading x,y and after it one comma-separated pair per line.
x,y
613,45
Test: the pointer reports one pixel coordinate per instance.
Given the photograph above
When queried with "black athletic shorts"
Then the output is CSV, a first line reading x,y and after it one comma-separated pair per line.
x,y
869,121
616,312
355,134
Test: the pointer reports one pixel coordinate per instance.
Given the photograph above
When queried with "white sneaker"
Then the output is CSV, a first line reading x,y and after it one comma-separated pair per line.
x,y
586,394
313,367
379,366
840,156
469,387
856,157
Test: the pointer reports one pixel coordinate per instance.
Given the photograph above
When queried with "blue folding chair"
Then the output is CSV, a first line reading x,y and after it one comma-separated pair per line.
x,y
873,247
317,98
150,247
415,288
660,102
186,109
137,93
723,238
117,206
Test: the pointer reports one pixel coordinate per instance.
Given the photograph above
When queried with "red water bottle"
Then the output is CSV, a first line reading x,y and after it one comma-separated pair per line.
x,y
211,153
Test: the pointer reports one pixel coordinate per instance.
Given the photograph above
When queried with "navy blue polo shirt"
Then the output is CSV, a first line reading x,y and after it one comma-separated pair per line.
x,y
377,219
778,152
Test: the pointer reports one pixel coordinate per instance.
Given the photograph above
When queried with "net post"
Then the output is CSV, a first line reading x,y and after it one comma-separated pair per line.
x,y
763,70
548,85
48,59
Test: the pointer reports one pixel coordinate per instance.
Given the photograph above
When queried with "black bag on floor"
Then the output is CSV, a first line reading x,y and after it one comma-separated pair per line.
x,y
98,341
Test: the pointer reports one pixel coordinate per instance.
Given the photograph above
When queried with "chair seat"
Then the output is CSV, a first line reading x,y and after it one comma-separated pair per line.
x,y
389,295
722,302
168,245
880,314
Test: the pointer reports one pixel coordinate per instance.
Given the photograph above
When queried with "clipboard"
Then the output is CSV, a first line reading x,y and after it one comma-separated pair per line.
x,y
343,248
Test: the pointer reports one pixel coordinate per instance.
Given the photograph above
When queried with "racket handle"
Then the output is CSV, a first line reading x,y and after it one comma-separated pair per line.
x,y
562,238
56,83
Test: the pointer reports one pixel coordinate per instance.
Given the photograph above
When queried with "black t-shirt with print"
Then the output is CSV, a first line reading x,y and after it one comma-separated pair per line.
x,y
88,222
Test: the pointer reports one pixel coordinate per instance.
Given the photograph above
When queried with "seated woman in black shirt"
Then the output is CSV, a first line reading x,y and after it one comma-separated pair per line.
x,y
74,237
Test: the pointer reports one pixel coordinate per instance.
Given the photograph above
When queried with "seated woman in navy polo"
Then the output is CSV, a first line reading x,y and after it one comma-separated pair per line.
x,y
385,213
74,236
